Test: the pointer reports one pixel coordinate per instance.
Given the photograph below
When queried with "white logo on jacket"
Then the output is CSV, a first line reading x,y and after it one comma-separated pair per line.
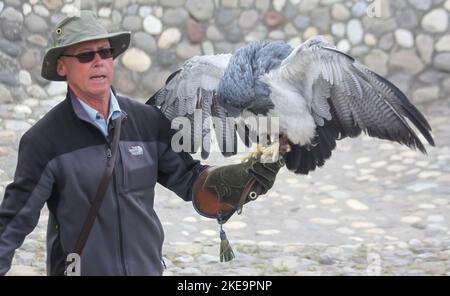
x,y
136,150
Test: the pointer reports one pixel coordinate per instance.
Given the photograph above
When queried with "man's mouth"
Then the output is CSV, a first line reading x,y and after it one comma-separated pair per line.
x,y
98,77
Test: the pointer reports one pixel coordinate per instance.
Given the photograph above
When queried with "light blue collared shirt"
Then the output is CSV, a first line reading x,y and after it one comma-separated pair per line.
x,y
95,116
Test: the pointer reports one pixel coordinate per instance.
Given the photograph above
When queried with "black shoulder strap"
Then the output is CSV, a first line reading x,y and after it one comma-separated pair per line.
x,y
101,190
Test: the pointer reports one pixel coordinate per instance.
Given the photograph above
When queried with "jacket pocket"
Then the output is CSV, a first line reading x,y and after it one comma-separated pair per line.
x,y
139,166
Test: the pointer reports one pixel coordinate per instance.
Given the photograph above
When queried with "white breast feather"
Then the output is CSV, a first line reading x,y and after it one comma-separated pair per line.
x,y
291,108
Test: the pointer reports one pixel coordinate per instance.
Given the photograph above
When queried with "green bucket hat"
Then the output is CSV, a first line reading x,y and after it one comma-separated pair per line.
x,y
76,29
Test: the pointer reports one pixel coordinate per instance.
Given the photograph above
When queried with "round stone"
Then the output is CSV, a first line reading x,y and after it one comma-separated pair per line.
x,y
190,219
377,60
429,174
340,12
194,32
25,78
324,221
291,224
355,31
338,29
328,201
152,25
370,39
145,11
185,50
232,225
404,38
267,232
426,94
359,9
345,230
124,82
145,42
279,4
273,19
207,48
30,58
214,34
259,33
38,40
356,205
248,19
443,43
425,47
41,10
5,94
17,125
410,219
131,23
310,32
36,23
302,21
361,224
56,88
209,232
136,60
375,231
169,37
154,81
11,22
175,17
10,48
407,19
200,10
435,218
442,62
421,4
407,60
436,21
21,111
53,4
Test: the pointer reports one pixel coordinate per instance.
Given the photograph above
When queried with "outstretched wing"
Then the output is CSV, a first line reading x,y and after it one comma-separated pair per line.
x,y
345,98
188,98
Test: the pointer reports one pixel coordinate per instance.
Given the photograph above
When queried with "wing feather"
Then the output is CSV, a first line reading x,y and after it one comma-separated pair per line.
x,y
345,99
190,90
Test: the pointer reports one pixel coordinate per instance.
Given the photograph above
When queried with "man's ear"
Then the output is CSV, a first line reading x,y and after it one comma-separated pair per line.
x,y
60,68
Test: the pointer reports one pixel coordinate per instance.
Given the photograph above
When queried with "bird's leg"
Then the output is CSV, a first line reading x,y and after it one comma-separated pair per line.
x,y
276,150
272,153
255,154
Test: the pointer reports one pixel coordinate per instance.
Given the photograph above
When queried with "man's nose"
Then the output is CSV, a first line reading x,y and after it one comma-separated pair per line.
x,y
97,58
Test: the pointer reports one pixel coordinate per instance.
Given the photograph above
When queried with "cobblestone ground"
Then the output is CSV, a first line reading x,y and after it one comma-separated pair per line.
x,y
374,208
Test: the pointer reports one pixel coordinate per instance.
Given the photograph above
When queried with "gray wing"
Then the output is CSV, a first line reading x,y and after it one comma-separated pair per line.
x,y
189,94
346,98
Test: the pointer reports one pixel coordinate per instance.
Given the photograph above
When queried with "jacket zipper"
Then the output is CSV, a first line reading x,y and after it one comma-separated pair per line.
x,y
119,215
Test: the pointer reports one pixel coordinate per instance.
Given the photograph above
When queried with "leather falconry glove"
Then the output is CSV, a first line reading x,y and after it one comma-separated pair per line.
x,y
222,191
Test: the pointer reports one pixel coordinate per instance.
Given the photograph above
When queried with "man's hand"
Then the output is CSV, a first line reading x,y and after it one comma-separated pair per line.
x,y
227,188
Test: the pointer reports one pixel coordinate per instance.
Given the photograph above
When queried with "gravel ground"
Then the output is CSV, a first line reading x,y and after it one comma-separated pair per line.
x,y
375,208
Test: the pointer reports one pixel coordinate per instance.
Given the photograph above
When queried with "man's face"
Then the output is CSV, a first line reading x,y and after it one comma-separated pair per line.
x,y
92,80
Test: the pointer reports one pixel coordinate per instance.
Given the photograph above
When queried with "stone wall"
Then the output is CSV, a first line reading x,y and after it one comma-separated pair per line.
x,y
406,40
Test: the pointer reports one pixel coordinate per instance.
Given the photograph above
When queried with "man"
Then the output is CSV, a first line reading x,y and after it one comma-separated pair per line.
x,y
63,157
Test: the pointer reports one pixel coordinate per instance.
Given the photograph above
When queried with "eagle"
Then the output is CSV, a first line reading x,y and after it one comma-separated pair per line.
x,y
317,93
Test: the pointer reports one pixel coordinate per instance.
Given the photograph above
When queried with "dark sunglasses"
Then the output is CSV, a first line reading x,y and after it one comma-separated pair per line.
x,y
86,57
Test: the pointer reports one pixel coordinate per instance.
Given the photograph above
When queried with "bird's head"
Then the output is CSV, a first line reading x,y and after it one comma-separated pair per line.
x,y
314,41
240,88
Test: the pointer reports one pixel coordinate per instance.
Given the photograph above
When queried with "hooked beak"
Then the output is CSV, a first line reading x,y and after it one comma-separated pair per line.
x,y
233,111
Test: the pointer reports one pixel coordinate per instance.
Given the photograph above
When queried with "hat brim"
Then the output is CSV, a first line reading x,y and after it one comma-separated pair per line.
x,y
119,41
